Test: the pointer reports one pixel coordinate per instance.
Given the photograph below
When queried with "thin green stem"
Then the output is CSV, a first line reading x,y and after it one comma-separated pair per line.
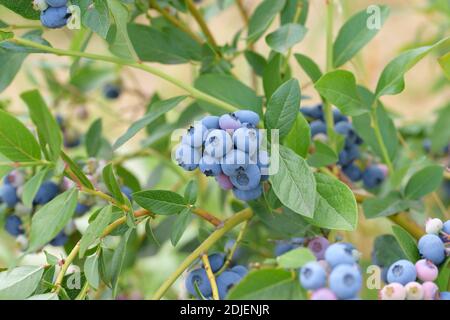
x,y
329,66
84,291
202,23
67,262
197,94
25,164
233,248
379,137
211,277
229,224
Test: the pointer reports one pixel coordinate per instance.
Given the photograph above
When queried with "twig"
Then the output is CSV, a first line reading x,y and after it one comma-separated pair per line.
x,y
211,278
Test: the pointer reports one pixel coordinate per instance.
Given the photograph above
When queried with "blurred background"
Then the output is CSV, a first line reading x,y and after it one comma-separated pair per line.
x,y
412,23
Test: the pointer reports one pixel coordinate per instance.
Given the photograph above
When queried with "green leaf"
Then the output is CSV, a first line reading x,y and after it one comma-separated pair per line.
x,y
77,172
228,89
296,258
91,271
262,18
190,194
48,129
49,220
19,283
168,46
385,206
392,79
31,187
95,15
128,179
44,296
285,37
22,7
111,183
386,250
256,61
440,135
272,78
336,206
283,106
289,11
309,66
95,228
267,284
118,37
424,182
4,35
339,88
294,183
16,142
407,243
443,280
323,156
355,34
11,63
118,259
93,138
444,61
180,225
160,201
159,108
299,138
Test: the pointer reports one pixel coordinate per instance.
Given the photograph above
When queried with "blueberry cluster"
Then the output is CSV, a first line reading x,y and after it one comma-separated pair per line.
x,y
350,157
71,136
54,13
228,148
402,281
434,246
225,280
335,275
11,193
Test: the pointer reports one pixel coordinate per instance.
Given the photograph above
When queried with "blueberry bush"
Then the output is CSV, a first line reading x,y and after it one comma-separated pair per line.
x,y
231,187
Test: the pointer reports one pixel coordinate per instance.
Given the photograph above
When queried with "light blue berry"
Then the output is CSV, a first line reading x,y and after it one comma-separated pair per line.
x,y
402,271
247,179
345,281
187,157
234,161
195,135
248,195
210,166
218,143
247,116
313,276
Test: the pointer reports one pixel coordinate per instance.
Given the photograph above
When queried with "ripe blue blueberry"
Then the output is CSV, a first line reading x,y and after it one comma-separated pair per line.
x,y
56,3
127,192
229,121
187,157
13,225
218,143
339,253
446,227
313,276
195,135
247,116
283,247
60,239
81,209
225,281
353,172
40,5
248,195
216,260
402,271
445,295
199,277
262,159
15,178
247,179
348,154
373,176
247,140
240,270
210,166
317,127
8,194
338,116
315,112
55,17
111,91
345,281
47,191
234,161
432,248
211,122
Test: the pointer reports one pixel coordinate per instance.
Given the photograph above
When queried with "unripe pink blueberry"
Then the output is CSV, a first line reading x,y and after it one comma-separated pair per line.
x,y
430,291
414,291
426,270
384,169
224,182
323,294
318,246
393,291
